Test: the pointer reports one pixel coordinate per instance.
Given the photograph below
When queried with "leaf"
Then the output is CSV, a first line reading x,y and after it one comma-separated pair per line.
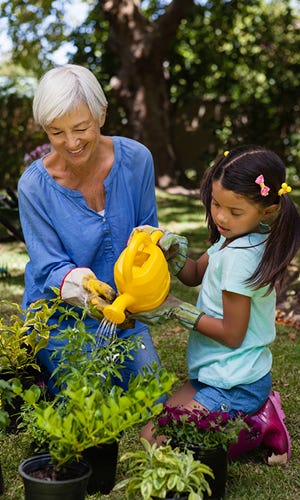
x,y
146,490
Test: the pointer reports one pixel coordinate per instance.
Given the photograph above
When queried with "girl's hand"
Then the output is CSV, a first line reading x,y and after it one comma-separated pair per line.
x,y
172,308
174,247
175,250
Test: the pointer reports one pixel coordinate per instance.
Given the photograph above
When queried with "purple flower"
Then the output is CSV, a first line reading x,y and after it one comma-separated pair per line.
x,y
196,427
36,153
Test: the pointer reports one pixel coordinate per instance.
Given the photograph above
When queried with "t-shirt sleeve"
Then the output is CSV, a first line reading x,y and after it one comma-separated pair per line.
x,y
237,268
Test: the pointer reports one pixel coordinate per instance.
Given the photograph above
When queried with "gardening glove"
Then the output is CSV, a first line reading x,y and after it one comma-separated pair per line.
x,y
174,247
81,288
171,308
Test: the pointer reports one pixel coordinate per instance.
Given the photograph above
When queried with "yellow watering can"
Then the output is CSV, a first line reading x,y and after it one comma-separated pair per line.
x,y
141,276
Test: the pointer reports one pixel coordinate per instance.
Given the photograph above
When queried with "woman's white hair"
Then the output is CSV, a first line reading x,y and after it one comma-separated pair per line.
x,y
61,89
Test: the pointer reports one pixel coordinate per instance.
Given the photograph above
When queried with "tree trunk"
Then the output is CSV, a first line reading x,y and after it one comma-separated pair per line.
x,y
141,84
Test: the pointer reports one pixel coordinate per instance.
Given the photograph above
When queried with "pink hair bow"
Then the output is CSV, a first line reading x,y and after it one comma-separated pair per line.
x,y
264,190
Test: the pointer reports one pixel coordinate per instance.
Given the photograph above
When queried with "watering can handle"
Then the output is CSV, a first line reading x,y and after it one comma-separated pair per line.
x,y
139,238
156,235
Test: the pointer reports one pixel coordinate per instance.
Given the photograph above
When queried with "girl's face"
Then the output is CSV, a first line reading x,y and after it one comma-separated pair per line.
x,y
75,135
233,214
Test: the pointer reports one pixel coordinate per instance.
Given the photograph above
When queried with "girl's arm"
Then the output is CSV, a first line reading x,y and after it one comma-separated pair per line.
x,y
193,270
231,329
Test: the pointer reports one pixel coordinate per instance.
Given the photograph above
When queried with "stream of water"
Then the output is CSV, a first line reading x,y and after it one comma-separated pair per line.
x,y
106,332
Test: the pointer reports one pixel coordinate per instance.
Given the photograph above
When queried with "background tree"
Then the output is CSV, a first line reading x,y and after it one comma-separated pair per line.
x,y
141,44
187,78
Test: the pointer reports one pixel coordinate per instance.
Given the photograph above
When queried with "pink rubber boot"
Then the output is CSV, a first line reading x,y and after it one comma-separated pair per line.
x,y
267,429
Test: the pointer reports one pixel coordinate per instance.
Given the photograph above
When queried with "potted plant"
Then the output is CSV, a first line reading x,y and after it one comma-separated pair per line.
x,y
207,434
22,335
89,410
164,472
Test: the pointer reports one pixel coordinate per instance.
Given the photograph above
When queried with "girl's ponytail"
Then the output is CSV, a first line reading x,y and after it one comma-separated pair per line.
x,y
282,244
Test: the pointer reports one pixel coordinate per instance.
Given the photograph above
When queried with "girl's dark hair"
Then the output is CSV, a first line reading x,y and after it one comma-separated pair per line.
x,y
237,172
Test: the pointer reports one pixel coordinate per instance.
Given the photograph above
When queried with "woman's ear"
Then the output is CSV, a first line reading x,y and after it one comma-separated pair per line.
x,y
103,117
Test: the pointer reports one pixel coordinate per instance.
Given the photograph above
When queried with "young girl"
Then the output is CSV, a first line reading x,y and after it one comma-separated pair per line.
x,y
255,232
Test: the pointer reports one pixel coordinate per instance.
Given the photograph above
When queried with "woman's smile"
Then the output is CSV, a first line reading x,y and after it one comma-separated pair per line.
x,y
76,152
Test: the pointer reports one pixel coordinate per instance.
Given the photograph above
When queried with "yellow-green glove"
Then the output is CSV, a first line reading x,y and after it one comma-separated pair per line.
x,y
172,308
99,295
174,247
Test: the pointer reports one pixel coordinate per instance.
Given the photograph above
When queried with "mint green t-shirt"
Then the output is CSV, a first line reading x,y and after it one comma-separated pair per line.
x,y
211,362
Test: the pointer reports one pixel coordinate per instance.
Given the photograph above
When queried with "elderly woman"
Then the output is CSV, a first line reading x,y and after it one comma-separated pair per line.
x,y
79,204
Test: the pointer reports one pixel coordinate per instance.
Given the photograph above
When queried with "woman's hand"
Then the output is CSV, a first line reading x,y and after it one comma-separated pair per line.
x,y
81,287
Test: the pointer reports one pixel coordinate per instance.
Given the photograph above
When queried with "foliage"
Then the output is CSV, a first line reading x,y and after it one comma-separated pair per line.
x,y
27,423
17,132
185,428
89,409
24,335
231,74
158,471
6,397
246,58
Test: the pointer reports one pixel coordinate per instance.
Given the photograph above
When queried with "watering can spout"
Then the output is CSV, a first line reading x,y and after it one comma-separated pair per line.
x,y
141,275
115,312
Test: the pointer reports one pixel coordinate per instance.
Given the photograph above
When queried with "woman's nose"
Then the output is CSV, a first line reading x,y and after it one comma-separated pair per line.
x,y
72,141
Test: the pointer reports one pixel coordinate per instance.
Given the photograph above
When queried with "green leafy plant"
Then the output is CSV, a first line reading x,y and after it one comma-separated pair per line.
x,y
158,471
24,335
6,398
189,428
89,409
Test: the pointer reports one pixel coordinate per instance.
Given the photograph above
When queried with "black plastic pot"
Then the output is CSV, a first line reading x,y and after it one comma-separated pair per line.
x,y
217,460
103,461
70,485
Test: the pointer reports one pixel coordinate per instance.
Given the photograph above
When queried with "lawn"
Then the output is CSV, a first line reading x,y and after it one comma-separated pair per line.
x,y
249,477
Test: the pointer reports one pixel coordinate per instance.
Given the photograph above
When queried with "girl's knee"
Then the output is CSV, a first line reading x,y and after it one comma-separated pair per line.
x,y
147,432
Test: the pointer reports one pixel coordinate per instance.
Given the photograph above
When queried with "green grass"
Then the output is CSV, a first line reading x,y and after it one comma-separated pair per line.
x,y
249,478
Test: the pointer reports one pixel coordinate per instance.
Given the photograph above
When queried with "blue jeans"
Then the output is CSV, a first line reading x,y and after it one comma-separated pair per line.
x,y
247,398
145,356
